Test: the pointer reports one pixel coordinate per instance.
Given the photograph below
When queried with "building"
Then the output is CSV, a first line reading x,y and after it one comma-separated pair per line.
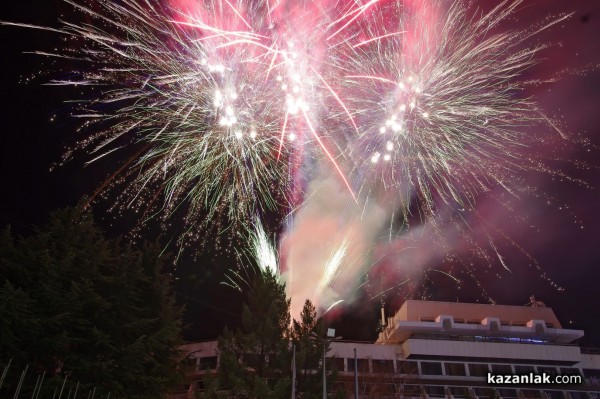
x,y
446,350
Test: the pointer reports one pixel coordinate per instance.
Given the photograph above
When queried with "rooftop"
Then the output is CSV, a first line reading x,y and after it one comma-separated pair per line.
x,y
455,319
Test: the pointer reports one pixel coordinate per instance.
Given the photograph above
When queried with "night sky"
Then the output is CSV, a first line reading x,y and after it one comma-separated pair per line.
x,y
36,130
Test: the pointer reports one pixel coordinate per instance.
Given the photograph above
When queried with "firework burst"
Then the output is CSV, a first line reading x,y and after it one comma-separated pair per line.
x,y
224,109
437,95
222,103
223,100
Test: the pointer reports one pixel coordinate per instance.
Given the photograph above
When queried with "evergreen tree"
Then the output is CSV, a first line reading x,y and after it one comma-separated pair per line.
x,y
255,361
74,303
309,352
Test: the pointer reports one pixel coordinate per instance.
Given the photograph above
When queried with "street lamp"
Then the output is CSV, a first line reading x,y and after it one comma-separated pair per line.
x,y
330,337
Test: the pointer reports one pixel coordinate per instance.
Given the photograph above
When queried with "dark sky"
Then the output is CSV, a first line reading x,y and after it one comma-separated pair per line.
x,y
570,255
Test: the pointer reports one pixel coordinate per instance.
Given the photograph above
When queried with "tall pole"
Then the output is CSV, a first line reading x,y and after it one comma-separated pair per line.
x,y
18,391
63,386
324,379
355,376
325,342
294,373
40,387
37,381
4,373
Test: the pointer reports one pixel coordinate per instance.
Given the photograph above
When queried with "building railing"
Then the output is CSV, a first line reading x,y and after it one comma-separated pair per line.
x,y
494,339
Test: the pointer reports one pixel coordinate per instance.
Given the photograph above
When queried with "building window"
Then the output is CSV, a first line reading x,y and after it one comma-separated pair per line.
x,y
485,393
208,363
407,367
531,394
555,394
383,366
478,370
524,369
569,371
455,369
459,392
435,391
428,319
501,369
506,393
363,365
548,370
431,368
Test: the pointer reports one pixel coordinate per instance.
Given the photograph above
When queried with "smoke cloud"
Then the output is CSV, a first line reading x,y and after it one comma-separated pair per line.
x,y
328,244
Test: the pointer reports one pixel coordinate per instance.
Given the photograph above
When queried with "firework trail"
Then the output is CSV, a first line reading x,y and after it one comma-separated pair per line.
x,y
262,252
228,109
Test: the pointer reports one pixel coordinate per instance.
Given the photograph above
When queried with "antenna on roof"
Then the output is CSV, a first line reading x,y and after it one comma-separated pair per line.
x,y
382,325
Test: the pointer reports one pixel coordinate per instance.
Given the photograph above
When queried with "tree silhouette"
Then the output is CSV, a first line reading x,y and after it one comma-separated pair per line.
x,y
75,303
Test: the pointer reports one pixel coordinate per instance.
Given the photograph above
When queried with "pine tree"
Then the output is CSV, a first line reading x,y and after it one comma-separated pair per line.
x,y
309,352
255,360
78,304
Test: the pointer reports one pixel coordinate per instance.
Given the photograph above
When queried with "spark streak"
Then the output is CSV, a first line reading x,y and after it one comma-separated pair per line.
x,y
377,38
331,158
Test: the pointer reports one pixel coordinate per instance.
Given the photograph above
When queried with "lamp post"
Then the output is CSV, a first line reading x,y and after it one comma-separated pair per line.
x,y
330,337
355,375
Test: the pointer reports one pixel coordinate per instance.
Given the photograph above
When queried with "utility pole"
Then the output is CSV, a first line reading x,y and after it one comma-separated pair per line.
x,y
294,373
330,337
324,373
355,375
5,372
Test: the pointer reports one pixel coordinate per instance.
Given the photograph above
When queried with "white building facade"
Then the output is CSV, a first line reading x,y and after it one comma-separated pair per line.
x,y
446,350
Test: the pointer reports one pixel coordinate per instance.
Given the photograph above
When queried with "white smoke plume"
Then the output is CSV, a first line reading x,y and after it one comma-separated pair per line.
x,y
328,244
